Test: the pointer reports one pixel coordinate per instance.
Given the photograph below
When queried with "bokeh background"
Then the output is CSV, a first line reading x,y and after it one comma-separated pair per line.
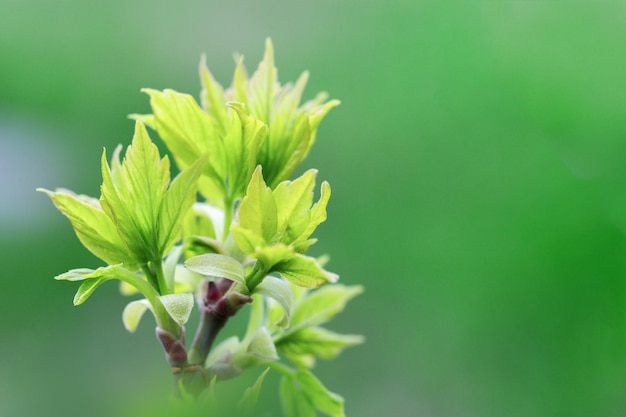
x,y
478,165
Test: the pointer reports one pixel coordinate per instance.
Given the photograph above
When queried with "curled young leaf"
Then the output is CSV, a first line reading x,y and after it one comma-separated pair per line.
x,y
133,312
178,306
280,291
217,266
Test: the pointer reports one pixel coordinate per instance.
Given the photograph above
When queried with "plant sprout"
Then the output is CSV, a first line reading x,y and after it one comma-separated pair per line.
x,y
230,230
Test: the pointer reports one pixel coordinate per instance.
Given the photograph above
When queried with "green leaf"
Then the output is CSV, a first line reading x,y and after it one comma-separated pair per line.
x,y
319,396
93,227
94,278
248,241
293,202
244,136
146,119
317,342
293,400
190,133
263,85
305,271
257,211
132,195
280,291
317,215
217,266
251,395
272,255
262,346
86,289
177,201
133,312
178,306
212,96
322,305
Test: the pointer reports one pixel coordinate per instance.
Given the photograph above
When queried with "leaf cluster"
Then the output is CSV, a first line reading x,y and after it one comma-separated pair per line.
x,y
229,229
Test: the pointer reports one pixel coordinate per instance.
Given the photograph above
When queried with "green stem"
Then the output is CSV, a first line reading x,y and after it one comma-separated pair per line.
x,y
150,276
160,277
256,276
228,217
282,369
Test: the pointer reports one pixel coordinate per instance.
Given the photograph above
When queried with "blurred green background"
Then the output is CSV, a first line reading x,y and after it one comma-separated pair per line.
x,y
478,165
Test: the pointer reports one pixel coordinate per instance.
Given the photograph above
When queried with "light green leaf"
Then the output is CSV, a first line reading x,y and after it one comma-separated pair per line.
x,y
251,395
262,346
179,198
242,140
263,85
280,291
86,289
178,306
133,312
257,211
272,255
93,227
217,266
305,271
146,119
293,202
319,396
322,305
317,215
212,96
132,194
316,342
248,241
294,402
190,133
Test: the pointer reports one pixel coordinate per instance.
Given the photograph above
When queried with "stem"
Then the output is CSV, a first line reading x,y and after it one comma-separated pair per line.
x,y
209,326
256,276
228,217
160,277
281,368
150,276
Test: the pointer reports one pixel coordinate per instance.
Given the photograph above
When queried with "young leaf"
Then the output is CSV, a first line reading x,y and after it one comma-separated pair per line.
x,y
257,212
293,201
262,346
305,271
178,306
251,396
217,266
177,201
86,289
132,195
190,133
316,342
316,217
280,291
242,140
319,396
322,305
247,240
94,228
275,254
294,402
212,96
263,85
133,312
